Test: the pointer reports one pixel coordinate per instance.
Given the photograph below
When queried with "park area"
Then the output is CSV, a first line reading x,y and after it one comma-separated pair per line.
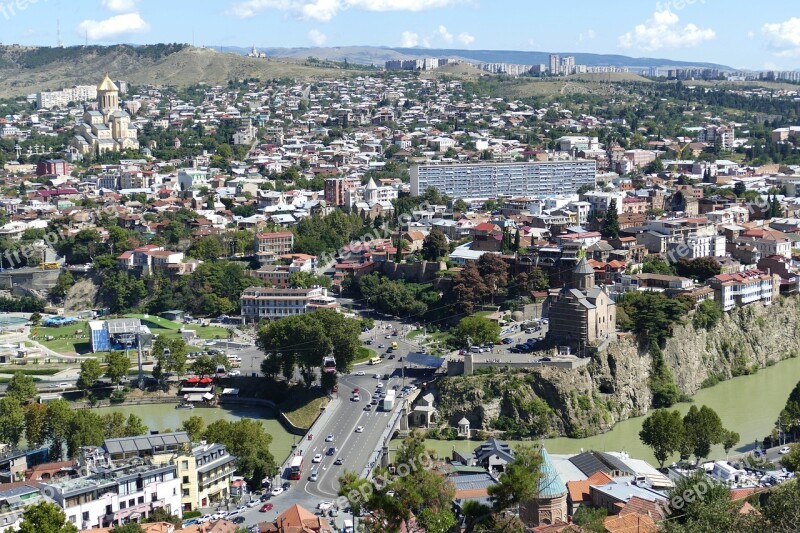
x,y
72,339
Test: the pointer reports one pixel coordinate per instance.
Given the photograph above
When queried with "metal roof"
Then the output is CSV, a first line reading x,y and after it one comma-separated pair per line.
x,y
550,483
147,443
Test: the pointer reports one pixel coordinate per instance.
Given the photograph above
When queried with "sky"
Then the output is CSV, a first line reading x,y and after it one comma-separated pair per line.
x,y
754,35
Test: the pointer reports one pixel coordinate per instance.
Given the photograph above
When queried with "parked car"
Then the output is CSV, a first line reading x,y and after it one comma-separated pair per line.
x,y
279,490
784,450
239,520
508,340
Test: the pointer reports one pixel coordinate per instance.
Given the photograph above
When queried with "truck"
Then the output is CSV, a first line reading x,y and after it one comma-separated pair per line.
x,y
388,402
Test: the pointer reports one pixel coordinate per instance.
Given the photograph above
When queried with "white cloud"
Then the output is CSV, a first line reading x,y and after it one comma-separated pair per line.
x,y
751,34
662,30
587,35
784,37
317,38
409,39
465,38
120,6
443,34
325,10
100,30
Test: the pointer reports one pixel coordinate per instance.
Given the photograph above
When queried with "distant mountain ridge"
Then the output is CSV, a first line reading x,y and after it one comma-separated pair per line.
x,y
378,54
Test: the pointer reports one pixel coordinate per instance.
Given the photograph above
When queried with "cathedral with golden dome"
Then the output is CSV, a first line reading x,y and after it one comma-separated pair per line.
x,y
106,129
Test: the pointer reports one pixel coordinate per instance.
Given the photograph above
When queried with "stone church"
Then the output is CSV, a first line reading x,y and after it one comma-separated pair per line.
x,y
581,313
106,129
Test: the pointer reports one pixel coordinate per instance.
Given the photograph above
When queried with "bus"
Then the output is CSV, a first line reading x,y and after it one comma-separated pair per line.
x,y
296,467
329,365
375,360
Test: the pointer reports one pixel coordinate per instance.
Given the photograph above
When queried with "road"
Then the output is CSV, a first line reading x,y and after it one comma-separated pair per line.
x,y
354,448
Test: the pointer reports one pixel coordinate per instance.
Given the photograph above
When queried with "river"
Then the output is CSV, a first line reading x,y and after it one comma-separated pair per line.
x,y
748,405
164,416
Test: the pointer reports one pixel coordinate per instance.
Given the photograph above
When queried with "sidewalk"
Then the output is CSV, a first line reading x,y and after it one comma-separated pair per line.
x,y
319,423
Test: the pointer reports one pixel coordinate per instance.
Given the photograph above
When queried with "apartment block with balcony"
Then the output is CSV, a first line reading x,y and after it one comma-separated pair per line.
x,y
13,501
278,274
744,288
269,246
111,493
270,303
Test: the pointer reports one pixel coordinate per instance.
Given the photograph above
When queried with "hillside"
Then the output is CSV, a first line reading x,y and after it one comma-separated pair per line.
x,y
25,70
376,55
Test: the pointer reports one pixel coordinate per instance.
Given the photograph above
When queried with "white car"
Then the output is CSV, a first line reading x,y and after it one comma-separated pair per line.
x,y
377,376
360,373
379,386
360,429
253,503
205,518
64,385
329,438
317,458
784,450
219,515
324,506
276,491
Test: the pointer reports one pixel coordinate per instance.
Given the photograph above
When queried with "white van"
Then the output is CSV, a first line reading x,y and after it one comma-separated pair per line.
x,y
347,526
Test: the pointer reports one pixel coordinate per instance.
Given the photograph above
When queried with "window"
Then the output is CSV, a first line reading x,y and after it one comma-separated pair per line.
x,y
185,480
85,516
185,465
141,499
72,519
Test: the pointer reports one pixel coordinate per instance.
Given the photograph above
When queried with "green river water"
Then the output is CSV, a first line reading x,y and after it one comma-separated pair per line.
x,y
748,405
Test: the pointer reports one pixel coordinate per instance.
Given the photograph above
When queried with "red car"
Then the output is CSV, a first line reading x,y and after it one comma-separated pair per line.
x,y
356,390
266,507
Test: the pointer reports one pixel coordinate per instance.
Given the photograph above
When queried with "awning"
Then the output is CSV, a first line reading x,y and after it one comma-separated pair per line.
x,y
193,380
208,396
206,380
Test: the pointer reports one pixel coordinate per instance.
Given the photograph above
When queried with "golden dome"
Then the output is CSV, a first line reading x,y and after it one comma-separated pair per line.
x,y
107,85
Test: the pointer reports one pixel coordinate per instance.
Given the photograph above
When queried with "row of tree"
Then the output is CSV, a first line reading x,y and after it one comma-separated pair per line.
x,y
667,434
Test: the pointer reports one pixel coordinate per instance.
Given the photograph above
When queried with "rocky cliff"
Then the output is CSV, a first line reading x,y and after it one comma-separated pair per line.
x,y
615,385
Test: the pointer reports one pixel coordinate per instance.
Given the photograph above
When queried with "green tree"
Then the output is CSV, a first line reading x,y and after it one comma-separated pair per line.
x,y
662,432
135,426
654,264
12,420
782,511
161,515
476,330
35,423
610,227
36,319
740,188
90,373
59,417
117,366
707,315
590,518
249,442
86,428
460,206
45,517
520,481
662,382
209,248
130,527
702,429
729,440
435,245
309,279
700,269
712,512
22,387
194,426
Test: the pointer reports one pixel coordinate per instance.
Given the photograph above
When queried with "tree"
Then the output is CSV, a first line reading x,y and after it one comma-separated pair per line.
x,y
460,206
610,227
306,280
86,428
662,382
700,269
520,480
782,511
130,527
12,420
590,518
729,440
740,188
208,248
654,264
791,460
22,387
517,240
59,417
707,315
702,429
476,330
90,373
117,366
45,517
161,515
662,431
170,354
249,442
494,271
35,423
36,318
194,426
135,426
711,512
435,245
203,365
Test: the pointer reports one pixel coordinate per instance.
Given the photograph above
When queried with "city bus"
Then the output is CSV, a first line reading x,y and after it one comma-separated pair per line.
x,y
296,467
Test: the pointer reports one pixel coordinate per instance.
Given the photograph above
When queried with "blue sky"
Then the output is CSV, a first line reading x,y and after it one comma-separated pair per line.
x,y
760,35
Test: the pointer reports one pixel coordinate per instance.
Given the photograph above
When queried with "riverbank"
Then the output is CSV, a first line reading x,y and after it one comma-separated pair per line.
x,y
749,405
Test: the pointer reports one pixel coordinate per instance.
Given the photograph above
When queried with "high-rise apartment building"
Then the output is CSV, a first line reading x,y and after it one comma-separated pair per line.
x,y
493,180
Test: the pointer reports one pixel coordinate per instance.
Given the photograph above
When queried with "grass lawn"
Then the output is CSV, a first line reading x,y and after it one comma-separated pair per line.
x,y
364,354
302,408
414,334
66,339
170,329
